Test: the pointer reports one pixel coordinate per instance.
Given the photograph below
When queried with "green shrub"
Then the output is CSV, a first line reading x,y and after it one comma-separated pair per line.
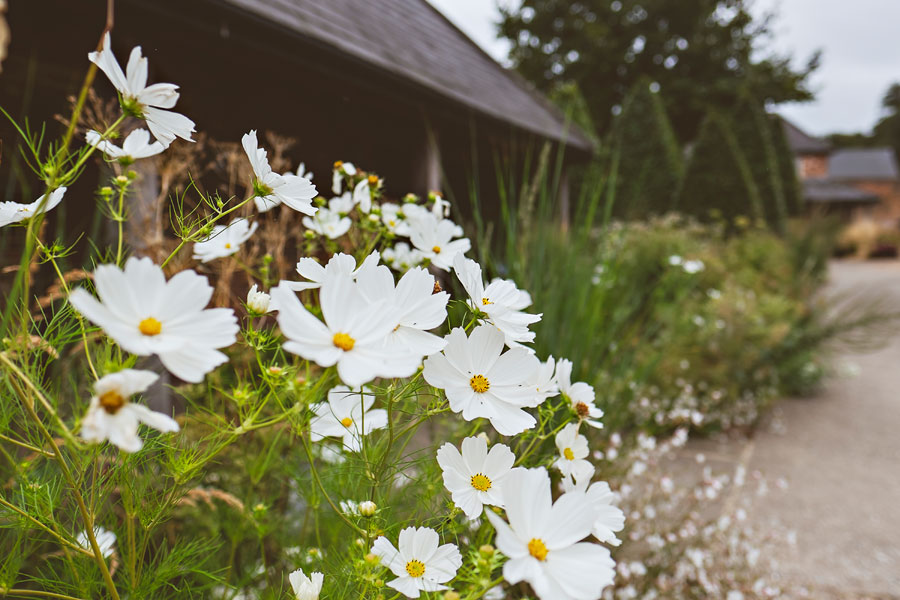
x,y
787,168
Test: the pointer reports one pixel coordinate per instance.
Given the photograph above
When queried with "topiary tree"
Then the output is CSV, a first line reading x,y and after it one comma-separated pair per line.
x,y
718,180
753,132
646,157
787,168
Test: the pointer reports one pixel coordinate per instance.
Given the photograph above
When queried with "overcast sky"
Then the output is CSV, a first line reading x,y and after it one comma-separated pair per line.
x,y
859,39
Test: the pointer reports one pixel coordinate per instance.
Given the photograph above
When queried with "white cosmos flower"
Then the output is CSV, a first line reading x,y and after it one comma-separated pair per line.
x,y
147,315
13,212
224,240
136,146
543,540
259,302
419,563
580,394
271,189
610,517
475,476
347,414
329,223
362,196
544,380
434,239
481,382
341,168
302,172
401,257
352,336
573,452
111,416
501,301
395,219
413,298
106,540
342,204
340,263
306,588
143,101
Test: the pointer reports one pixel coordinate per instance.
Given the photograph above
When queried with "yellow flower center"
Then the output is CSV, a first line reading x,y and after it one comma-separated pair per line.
x,y
415,568
481,482
486,301
112,401
569,454
150,326
373,179
338,164
346,421
582,410
228,246
343,341
537,549
436,249
480,384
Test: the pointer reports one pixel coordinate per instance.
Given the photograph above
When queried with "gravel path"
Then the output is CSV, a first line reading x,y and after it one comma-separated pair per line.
x,y
840,454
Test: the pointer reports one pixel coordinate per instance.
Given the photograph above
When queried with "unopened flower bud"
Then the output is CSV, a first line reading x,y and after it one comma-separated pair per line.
x,y
121,179
484,436
367,508
486,550
371,558
258,302
451,595
106,191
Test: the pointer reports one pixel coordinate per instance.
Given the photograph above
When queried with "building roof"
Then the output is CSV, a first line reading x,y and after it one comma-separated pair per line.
x,y
803,143
411,39
826,191
864,163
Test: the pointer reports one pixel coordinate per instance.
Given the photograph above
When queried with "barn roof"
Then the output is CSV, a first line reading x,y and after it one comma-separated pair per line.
x,y
411,39
864,163
803,143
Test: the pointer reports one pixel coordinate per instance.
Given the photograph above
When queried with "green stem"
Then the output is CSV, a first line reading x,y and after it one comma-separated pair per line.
x,y
16,592
315,474
40,525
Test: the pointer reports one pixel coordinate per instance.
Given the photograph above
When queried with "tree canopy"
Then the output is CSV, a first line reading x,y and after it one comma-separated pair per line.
x,y
701,53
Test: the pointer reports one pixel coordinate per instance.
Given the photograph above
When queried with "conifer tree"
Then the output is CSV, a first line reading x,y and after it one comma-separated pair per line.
x,y
646,157
787,168
717,179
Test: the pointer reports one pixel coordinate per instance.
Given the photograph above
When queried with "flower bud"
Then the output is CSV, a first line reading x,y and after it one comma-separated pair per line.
x,y
367,508
121,179
486,550
451,595
258,302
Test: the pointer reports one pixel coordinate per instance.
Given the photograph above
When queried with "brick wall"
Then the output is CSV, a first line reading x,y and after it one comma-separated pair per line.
x,y
812,166
888,210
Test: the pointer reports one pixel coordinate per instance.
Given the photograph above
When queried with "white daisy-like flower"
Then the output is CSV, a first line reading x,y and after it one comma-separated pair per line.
x,y
544,380
419,563
475,476
136,146
573,452
352,336
347,414
306,588
106,541
13,212
433,237
439,207
329,223
302,172
143,101
501,301
610,517
271,189
259,302
145,314
340,263
342,205
543,540
111,416
341,168
420,309
401,257
580,394
362,196
224,240
395,219
480,382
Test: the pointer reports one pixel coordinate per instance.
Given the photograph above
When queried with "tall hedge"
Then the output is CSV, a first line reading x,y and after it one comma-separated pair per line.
x,y
718,180
753,131
646,158
787,168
